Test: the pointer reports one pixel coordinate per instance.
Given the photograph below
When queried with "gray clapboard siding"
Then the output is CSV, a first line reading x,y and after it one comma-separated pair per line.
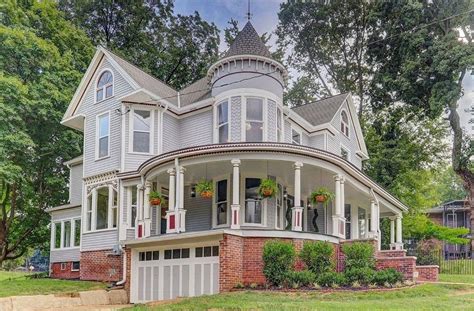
x,y
75,184
198,212
62,255
99,240
66,214
170,133
305,139
317,141
195,130
91,109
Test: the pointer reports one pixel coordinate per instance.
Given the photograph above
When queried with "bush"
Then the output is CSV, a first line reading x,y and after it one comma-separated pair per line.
x,y
278,260
428,252
300,278
359,255
387,276
329,279
318,256
363,276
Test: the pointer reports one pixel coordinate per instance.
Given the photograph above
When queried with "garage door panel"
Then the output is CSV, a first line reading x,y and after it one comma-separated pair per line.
x,y
167,276
215,278
185,281
156,280
207,280
176,281
197,279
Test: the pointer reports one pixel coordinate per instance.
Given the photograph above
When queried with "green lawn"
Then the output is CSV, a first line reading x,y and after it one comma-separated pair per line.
x,y
457,278
16,283
421,297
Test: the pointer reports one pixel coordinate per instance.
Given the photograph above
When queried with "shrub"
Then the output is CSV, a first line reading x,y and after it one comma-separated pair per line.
x,y
428,252
318,256
300,278
278,260
359,255
363,276
329,279
387,276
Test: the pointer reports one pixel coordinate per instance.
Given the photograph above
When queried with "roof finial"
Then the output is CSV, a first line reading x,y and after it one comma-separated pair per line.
x,y
249,15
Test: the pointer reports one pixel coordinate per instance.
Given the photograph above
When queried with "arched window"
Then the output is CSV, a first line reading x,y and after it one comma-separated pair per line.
x,y
344,123
104,86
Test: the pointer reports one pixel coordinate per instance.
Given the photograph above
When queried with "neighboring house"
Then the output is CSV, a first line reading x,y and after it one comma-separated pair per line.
x,y
231,127
454,214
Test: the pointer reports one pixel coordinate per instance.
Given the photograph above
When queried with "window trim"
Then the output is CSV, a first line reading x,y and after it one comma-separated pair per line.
x,y
130,190
62,232
109,210
243,116
298,131
97,137
242,199
346,125
104,87
216,120
215,180
131,129
72,266
342,146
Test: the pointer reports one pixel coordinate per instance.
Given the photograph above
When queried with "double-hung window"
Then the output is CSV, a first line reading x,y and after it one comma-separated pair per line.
x,y
223,122
133,206
253,202
295,137
102,221
141,130
221,203
254,120
103,135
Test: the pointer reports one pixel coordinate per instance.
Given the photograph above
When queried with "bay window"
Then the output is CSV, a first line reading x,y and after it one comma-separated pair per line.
x,y
102,220
103,133
253,202
102,209
223,122
254,120
141,131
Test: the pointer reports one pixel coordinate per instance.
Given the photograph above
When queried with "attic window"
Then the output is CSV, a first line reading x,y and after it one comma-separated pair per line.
x,y
344,123
104,86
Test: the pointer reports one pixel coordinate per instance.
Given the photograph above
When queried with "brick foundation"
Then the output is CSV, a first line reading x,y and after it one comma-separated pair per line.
x,y
406,265
101,266
67,273
391,253
427,273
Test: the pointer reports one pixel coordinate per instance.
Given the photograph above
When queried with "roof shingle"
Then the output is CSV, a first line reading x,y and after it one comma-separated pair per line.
x,y
248,42
321,111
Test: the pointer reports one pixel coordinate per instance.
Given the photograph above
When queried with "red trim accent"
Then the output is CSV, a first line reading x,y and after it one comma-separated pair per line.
x,y
140,233
172,222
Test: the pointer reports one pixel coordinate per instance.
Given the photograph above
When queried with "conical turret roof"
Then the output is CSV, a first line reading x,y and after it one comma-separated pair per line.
x,y
248,42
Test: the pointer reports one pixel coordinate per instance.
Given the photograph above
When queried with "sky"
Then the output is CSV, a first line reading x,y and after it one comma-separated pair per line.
x,y
264,13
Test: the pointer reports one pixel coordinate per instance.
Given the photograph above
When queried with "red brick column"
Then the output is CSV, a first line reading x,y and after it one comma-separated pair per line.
x,y
57,273
427,273
101,266
230,262
128,282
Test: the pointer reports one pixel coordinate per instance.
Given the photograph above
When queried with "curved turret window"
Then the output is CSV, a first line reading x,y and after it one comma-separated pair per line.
x,y
344,123
254,120
105,86
223,122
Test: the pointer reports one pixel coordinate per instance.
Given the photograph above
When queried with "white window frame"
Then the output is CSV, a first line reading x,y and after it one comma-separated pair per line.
x,y
110,208
72,266
105,86
279,116
130,189
242,199
214,203
131,129
244,117
216,120
344,124
97,137
348,152
299,132
62,233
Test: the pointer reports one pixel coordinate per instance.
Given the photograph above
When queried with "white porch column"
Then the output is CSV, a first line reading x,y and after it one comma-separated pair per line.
x,y
94,209
146,210
235,208
297,210
139,228
338,220
392,232
181,211
170,213
354,222
399,241
373,220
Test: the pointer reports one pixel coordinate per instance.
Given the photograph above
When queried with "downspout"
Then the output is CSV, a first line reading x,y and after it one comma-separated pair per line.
x,y
124,268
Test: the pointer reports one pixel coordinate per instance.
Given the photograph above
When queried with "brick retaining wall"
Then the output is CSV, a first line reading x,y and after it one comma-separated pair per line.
x,y
101,266
406,265
427,273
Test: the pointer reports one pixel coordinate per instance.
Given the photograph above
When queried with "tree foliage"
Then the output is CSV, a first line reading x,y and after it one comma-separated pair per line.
x,y
42,57
175,48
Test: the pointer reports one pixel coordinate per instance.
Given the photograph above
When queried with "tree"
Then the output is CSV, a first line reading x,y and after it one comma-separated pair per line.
x,y
42,57
174,48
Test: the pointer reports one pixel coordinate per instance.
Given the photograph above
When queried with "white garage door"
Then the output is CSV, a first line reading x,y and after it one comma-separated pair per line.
x,y
167,273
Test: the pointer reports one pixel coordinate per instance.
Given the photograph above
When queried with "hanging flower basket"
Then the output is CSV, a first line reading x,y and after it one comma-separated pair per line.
x,y
268,188
205,189
322,195
155,198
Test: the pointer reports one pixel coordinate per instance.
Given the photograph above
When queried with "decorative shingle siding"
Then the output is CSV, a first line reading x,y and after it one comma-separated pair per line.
x,y
271,119
195,130
91,109
236,121
287,136
99,240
